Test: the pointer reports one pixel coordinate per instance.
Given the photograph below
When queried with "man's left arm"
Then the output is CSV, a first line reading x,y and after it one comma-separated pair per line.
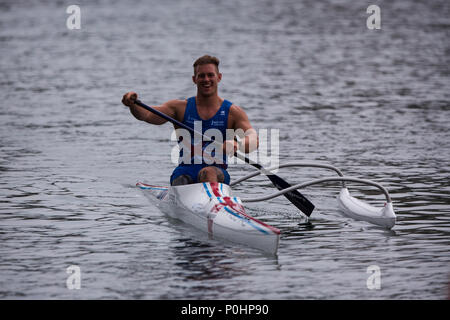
x,y
250,141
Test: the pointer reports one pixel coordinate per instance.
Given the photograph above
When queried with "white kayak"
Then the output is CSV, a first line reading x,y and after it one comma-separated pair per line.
x,y
210,207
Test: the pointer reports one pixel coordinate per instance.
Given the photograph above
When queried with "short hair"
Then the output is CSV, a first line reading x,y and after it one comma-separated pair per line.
x,y
206,59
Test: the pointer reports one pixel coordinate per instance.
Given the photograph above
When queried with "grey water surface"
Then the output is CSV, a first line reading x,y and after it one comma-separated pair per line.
x,y
374,103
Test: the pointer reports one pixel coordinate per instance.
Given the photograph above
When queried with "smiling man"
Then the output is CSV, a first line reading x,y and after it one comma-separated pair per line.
x,y
209,111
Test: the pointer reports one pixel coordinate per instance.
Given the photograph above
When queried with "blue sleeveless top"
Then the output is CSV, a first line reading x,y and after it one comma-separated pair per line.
x,y
211,127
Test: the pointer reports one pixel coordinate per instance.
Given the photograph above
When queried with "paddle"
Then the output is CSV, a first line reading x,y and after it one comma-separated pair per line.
x,y
293,196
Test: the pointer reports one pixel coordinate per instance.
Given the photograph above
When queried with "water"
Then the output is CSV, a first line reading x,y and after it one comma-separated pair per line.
x,y
374,103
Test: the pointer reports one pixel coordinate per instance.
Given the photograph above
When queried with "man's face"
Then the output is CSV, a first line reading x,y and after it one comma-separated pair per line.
x,y
206,78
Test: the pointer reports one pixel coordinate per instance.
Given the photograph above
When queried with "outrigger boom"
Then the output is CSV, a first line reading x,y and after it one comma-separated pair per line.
x,y
351,206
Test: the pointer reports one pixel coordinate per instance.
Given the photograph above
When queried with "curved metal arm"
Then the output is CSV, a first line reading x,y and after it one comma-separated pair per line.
x,y
291,164
318,181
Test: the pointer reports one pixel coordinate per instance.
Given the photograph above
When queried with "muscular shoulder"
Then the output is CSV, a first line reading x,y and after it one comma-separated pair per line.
x,y
238,118
237,112
176,108
176,104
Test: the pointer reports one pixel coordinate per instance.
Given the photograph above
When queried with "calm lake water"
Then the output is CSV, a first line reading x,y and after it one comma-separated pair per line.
x,y
374,103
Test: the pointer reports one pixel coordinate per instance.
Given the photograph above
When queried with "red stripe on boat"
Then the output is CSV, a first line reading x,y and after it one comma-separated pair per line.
x,y
231,204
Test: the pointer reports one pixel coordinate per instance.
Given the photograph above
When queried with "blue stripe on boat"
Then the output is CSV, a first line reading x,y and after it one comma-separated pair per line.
x,y
248,221
207,191
153,188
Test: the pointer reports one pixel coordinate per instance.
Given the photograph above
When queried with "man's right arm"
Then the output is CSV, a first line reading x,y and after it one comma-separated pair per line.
x,y
169,108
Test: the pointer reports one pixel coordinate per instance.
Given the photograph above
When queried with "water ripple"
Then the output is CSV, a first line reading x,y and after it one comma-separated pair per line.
x,y
374,104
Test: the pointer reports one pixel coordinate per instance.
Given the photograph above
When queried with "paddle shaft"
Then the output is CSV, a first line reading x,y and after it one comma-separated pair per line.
x,y
295,197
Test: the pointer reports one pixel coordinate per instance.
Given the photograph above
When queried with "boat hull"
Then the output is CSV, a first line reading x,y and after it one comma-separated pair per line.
x,y
211,208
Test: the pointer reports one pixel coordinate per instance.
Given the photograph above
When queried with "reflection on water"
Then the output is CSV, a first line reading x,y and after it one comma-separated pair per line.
x,y
373,103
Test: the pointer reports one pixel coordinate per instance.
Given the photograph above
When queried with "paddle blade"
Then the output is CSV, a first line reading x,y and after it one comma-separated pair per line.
x,y
294,196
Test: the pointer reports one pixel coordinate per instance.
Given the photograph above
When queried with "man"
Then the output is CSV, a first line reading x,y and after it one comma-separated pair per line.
x,y
212,112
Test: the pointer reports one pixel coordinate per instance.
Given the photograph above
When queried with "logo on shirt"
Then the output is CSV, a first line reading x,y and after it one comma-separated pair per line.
x,y
217,123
